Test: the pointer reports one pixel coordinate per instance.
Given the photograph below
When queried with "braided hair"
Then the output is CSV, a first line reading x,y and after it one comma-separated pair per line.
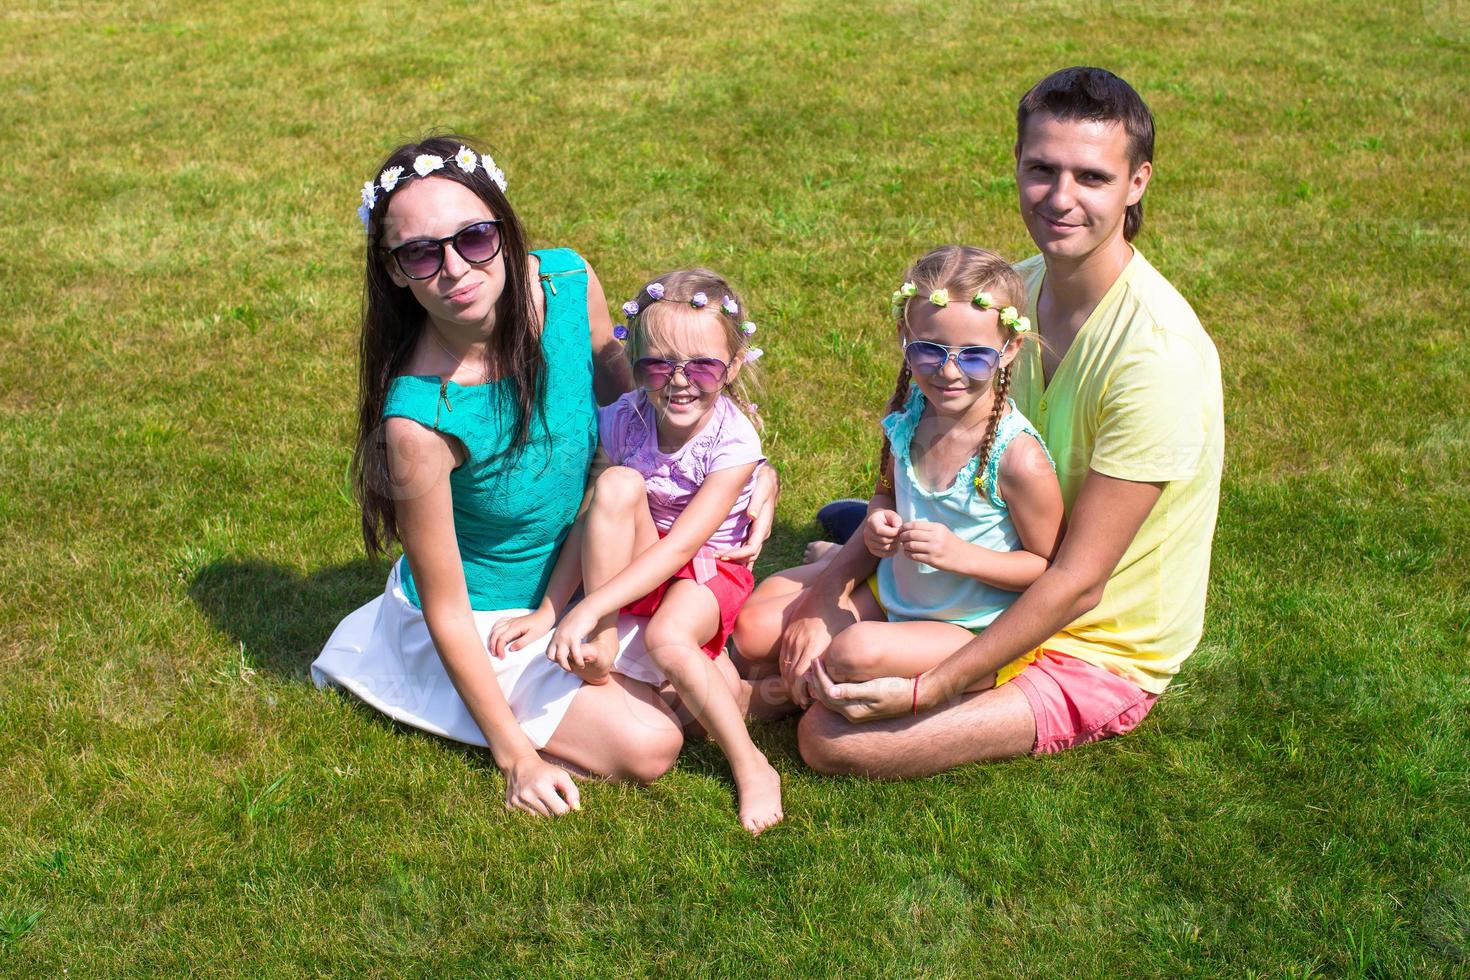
x,y
963,270
1001,389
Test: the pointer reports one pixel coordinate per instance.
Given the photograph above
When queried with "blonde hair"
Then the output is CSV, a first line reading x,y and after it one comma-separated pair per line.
x,y
964,270
655,316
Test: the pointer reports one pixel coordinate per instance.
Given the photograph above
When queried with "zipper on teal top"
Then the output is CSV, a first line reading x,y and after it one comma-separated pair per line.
x,y
443,399
546,277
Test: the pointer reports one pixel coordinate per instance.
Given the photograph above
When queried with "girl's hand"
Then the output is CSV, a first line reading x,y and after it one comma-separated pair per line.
x,y
568,648
511,634
880,532
933,544
536,786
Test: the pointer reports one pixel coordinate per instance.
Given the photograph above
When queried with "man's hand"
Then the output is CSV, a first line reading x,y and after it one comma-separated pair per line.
x,y
809,631
931,543
762,511
882,697
880,532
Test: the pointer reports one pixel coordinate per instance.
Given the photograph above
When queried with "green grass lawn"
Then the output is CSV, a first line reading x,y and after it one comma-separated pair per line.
x,y
180,267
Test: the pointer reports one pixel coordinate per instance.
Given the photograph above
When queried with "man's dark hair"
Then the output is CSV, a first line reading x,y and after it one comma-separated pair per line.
x,y
1095,94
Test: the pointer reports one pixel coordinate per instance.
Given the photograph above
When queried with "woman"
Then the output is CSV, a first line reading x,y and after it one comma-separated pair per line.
x,y
476,426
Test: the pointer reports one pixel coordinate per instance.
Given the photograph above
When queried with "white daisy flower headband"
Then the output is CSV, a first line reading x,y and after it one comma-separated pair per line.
x,y
1009,316
699,301
423,165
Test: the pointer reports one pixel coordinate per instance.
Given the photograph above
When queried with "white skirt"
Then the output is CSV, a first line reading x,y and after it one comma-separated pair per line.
x,y
382,654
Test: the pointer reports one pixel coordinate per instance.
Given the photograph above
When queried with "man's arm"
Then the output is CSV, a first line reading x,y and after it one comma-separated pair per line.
x,y
1107,516
1104,521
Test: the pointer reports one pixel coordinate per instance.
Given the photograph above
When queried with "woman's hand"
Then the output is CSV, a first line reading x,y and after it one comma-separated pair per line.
x,y
880,532
569,648
511,634
882,697
933,544
762,511
536,786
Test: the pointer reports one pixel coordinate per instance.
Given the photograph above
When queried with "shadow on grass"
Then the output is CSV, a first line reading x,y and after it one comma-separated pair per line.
x,y
281,616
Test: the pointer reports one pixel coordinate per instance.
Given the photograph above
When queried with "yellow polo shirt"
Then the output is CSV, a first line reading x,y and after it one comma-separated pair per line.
x,y
1137,397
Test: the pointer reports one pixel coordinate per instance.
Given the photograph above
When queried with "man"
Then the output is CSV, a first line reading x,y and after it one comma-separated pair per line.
x,y
1126,393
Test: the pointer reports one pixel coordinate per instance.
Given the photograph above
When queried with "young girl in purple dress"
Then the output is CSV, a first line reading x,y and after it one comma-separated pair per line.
x,y
671,483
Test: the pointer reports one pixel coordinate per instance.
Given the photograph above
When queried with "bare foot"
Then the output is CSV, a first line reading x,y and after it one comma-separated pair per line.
x,y
819,551
759,789
603,650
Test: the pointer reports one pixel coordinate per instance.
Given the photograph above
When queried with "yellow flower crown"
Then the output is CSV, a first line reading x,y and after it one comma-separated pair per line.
x,y
1009,316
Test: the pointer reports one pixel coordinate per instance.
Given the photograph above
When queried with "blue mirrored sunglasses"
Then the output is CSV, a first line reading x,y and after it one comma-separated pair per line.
x,y
926,357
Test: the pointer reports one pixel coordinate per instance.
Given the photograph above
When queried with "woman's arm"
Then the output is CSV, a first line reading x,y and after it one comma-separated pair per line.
x,y
420,461
1034,497
611,374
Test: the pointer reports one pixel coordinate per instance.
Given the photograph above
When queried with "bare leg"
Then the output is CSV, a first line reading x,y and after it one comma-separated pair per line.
x,y
981,727
765,615
692,729
618,528
620,730
689,616
866,650
758,632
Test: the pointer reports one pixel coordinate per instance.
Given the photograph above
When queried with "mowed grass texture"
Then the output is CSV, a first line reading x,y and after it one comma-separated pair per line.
x,y
181,275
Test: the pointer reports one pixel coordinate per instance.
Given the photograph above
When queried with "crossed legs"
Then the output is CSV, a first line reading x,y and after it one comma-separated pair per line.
x,y
982,727
618,528
986,724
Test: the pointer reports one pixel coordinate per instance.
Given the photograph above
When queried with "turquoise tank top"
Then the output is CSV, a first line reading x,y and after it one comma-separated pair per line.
x,y
512,513
912,590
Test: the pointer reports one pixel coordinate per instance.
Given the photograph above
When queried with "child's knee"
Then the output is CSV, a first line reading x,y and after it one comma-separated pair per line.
x,y
670,652
619,488
853,655
757,628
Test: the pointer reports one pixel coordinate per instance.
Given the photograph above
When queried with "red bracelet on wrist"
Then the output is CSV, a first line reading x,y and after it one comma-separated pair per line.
x,y
916,693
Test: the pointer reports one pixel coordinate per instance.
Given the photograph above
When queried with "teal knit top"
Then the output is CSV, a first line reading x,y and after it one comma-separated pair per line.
x,y
512,512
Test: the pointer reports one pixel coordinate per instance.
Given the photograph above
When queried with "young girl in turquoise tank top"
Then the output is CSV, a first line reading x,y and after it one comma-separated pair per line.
x,y
967,511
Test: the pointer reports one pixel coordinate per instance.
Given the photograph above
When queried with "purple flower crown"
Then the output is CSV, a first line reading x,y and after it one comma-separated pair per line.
x,y
698,301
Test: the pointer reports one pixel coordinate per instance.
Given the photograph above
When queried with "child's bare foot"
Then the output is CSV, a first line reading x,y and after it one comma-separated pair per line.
x,y
599,652
819,551
759,787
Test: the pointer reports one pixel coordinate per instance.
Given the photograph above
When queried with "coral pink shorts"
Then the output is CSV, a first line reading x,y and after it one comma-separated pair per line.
x,y
1076,703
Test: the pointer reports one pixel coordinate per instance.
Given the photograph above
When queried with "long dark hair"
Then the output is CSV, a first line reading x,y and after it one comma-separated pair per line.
x,y
392,321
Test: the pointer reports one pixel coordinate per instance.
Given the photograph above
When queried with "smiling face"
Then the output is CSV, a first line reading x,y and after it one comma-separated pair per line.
x,y
681,334
1076,184
434,208
953,393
